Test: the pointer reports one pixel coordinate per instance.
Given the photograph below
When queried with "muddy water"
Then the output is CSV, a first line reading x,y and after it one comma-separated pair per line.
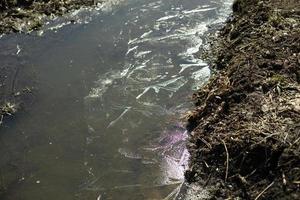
x,y
109,94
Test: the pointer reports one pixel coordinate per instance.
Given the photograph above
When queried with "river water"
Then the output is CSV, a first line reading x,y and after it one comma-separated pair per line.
x,y
109,94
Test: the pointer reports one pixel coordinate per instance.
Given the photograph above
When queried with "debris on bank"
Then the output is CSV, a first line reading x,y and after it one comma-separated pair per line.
x,y
27,15
245,129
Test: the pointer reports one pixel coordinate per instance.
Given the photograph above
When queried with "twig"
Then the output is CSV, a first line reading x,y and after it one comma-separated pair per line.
x,y
207,181
206,143
296,182
227,160
262,192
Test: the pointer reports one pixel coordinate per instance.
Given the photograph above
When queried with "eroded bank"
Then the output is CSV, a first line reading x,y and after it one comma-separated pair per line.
x,y
245,138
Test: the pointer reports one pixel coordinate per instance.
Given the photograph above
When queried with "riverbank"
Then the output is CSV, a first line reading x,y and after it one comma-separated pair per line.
x,y
25,16
245,139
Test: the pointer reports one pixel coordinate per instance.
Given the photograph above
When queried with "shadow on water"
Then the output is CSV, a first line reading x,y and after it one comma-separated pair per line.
x,y
109,95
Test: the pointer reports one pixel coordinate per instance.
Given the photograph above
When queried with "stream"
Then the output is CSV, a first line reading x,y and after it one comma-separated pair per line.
x,y
110,93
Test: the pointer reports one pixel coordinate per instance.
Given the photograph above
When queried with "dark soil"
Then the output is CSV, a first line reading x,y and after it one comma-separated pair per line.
x,y
245,129
27,15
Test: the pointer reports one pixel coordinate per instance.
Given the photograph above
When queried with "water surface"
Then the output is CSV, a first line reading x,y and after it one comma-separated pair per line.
x,y
109,95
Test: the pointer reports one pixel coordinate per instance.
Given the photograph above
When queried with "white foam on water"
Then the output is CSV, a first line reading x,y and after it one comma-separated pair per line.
x,y
103,83
131,49
150,72
165,18
198,10
172,170
195,40
82,15
144,92
146,34
202,73
185,66
142,53
112,123
177,82
128,154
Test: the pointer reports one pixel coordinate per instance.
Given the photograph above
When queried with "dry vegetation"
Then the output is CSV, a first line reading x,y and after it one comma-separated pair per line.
x,y
245,139
26,15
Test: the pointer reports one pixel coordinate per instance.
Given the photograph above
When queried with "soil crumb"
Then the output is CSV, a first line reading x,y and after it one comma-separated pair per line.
x,y
245,128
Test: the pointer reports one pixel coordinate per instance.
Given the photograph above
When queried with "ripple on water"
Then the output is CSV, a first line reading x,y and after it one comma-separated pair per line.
x,y
159,68
122,140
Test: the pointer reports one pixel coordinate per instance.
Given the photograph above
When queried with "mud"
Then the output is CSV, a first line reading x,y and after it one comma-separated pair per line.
x,y
245,128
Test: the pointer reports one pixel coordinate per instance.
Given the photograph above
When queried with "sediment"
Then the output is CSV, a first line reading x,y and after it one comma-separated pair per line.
x,y
245,128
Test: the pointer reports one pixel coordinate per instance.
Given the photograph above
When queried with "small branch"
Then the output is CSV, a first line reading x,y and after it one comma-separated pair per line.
x,y
227,160
262,192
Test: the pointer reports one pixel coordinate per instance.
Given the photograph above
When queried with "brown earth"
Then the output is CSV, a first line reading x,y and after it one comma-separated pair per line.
x,y
245,129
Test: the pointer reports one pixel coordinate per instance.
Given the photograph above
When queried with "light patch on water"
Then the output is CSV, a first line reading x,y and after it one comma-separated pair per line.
x,y
174,156
201,77
142,53
84,15
197,64
172,85
159,65
112,123
144,92
146,34
104,82
159,61
201,9
165,18
131,49
129,154
19,49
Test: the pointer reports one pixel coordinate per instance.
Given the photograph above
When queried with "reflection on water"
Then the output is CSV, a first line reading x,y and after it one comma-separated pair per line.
x,y
111,92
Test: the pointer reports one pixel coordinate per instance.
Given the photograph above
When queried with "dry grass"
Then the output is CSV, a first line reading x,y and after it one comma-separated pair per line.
x,y
246,125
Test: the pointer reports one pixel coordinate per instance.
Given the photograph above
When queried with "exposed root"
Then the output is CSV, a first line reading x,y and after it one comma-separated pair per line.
x,y
262,192
227,160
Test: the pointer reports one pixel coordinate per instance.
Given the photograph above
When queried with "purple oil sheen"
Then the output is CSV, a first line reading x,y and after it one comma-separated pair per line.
x,y
171,146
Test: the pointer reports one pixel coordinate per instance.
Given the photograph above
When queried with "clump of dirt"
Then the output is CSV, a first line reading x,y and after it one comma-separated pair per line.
x,y
27,15
245,129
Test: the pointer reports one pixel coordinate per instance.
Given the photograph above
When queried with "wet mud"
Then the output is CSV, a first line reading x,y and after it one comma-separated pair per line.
x,y
245,133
